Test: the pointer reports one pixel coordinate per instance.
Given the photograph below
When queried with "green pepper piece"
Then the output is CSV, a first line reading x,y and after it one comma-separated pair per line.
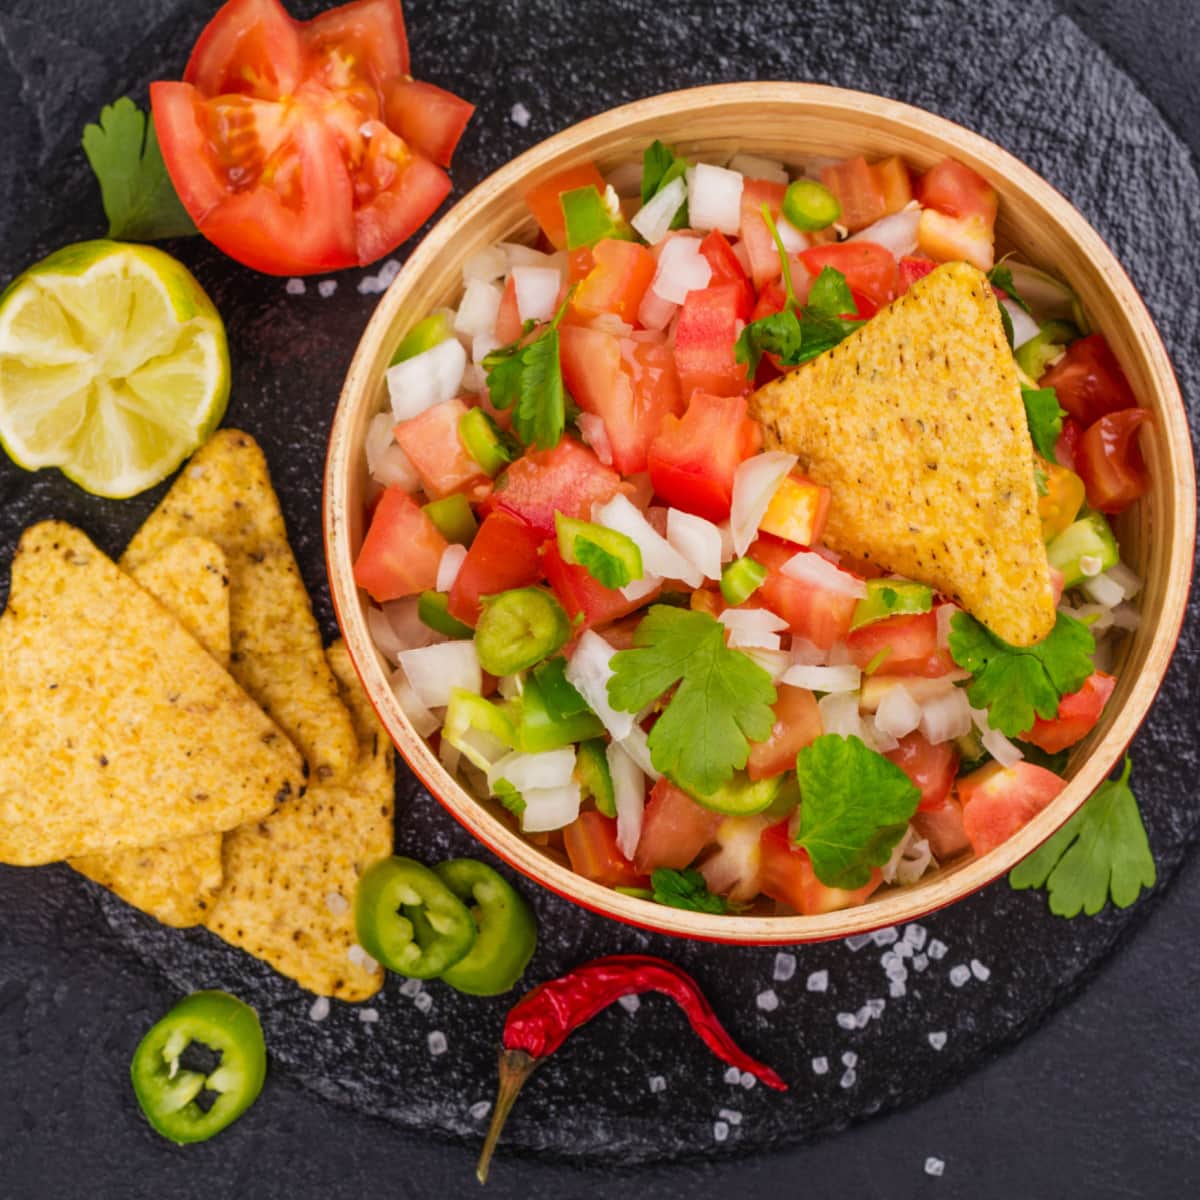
x,y
561,696
594,777
787,798
434,610
741,795
610,558
809,205
588,219
543,727
200,1067
432,933
741,579
478,728
453,517
424,335
1088,537
486,442
889,598
507,931
519,628
1034,356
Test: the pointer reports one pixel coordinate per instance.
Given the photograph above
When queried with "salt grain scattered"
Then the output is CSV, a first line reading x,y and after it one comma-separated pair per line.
x,y
295,287
437,1042
904,950
877,1005
897,989
327,287
982,973
889,958
859,940
785,967
818,981
733,1075
849,1079
720,1131
960,974
479,1111
748,1081
657,1083
423,1002
820,1065
934,1166
630,1003
337,903
320,1009
920,962
897,971
360,958
847,1021
849,1059
767,1001
915,936
937,949
862,1018
372,285
937,1039
731,1115
368,1016
520,114
410,987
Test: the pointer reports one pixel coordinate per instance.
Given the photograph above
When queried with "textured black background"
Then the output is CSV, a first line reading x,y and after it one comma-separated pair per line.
x,y
1100,1102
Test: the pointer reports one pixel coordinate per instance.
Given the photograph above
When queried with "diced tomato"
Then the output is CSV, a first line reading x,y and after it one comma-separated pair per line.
x,y
821,617
797,511
788,876
942,828
581,596
756,237
543,200
591,844
1076,717
402,549
932,768
997,801
431,442
956,239
868,267
704,342
428,117
958,191
693,459
568,479
910,642
797,723
1110,460
1061,498
1089,381
909,270
895,182
629,382
726,268
503,555
674,829
859,192
1066,449
617,282
580,263
508,317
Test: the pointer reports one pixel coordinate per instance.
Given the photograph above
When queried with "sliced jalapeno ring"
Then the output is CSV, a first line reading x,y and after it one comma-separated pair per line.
x,y
200,1067
519,628
409,920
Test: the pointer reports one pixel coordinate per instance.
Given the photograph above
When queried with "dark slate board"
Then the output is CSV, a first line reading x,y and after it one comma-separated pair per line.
x,y
1016,72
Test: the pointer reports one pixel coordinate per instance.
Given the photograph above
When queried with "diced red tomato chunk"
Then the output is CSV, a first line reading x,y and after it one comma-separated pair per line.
x,y
909,641
1076,717
998,801
942,828
1088,380
859,191
704,342
427,117
617,281
402,549
504,554
1110,462
788,876
909,270
674,829
820,616
756,237
431,442
582,596
797,723
932,768
868,267
727,269
797,511
508,319
591,844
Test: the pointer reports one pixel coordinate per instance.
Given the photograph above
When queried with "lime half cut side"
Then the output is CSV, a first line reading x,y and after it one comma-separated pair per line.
x,y
113,366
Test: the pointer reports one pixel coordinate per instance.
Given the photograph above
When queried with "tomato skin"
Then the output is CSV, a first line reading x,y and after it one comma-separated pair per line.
x,y
727,269
674,829
869,268
371,31
797,723
819,616
250,47
997,801
693,459
788,876
909,270
427,117
543,201
1110,460
402,549
1088,380
895,182
942,828
1066,449
431,442
504,554
756,237
932,768
958,191
858,190
582,596
617,280
508,318
704,342
911,641
1076,717
591,844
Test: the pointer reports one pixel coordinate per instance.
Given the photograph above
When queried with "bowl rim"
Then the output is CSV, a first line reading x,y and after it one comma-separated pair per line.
x,y
901,904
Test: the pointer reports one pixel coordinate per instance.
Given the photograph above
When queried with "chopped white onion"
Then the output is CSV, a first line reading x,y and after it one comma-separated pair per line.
x,y
1097,617
994,742
636,744
698,540
478,309
519,255
805,654
897,232
754,167
876,738
1125,616
481,346
910,860
1103,589
485,265
1023,325
714,198
755,482
426,379
681,269
435,671
387,463
449,756
921,690
727,551
448,566
404,616
653,219
659,557
386,640
898,713
550,808
595,434
641,588
629,794
626,178
549,769
511,686
1130,582
1049,298
815,569
825,679
943,615
475,380
537,291
946,717
735,868
774,662
588,671
839,714
421,719
753,627
793,242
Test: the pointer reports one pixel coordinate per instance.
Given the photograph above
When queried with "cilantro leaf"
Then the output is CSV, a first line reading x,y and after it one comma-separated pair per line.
x,y
854,808
685,889
1006,321
528,378
139,199
512,799
779,333
830,295
603,567
1045,419
1000,276
1018,683
1101,853
661,166
722,703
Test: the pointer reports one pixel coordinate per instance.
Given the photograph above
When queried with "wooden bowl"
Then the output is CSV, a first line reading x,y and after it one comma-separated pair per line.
x,y
792,122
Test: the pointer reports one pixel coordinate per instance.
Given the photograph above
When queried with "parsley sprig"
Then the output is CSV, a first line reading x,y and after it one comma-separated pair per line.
x,y
1101,853
1001,276
722,702
685,889
1045,419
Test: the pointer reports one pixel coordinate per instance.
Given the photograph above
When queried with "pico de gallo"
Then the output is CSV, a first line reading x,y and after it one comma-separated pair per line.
x,y
611,611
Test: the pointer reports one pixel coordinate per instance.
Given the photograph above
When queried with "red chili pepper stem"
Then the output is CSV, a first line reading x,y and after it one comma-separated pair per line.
x,y
515,1068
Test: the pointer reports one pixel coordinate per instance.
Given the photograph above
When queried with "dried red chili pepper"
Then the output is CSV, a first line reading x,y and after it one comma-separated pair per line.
x,y
542,1019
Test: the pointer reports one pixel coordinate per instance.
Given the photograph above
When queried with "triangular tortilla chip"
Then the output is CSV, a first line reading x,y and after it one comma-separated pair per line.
x,y
916,425
290,879
119,728
225,494
176,883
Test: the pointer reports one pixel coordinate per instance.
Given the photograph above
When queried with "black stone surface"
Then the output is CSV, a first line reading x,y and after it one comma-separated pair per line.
x,y
1104,1102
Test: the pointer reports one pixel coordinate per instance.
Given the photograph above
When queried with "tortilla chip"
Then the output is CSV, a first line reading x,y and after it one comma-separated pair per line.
x,y
225,494
119,728
916,425
176,883
290,879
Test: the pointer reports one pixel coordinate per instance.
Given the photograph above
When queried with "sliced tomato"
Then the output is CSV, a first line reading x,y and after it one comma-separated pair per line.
x,y
910,643
431,442
797,723
820,616
402,549
756,237
797,512
674,829
727,268
504,554
252,48
568,479
942,828
859,191
427,117
956,239
1110,460
1076,717
1088,380
693,459
1061,500
895,182
591,844
705,337
616,282
366,37
1066,449
869,268
909,270
788,876
997,801
932,768
583,598
543,200
958,191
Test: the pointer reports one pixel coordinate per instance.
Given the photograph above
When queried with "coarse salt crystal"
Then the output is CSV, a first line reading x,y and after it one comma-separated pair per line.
x,y
337,903
520,115
889,958
897,969
423,1002
785,967
897,989
849,1059
320,1009
372,285
295,287
368,1016
818,981
920,962
657,1083
360,958
960,974
934,1166
326,288
937,949
720,1131
437,1042
885,937
849,1079
915,936
820,1065
747,1080
480,1109
904,950
858,940
733,1075
982,973
410,987
877,1005
862,1018
630,1003
937,1039
846,1020
731,1115
767,1001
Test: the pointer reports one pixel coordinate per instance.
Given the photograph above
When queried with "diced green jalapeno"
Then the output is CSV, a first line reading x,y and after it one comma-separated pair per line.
x,y
1090,537
478,729
434,610
200,1067
486,442
506,930
809,205
741,579
453,517
787,798
424,335
610,558
588,219
553,713
890,598
519,628
594,776
409,920
1035,355
742,795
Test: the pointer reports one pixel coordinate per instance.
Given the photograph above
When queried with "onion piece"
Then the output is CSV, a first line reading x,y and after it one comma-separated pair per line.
x,y
659,557
794,240
878,739
481,346
418,714
485,266
994,742
404,616
529,772
774,662
1023,325
478,309
922,690
435,671
640,588
1103,589
805,654
898,713
547,809
537,291
839,714
518,254
637,745
654,312
754,483
946,717
816,570
386,640
1126,617
653,219
448,566
426,379
714,198
1049,298
387,463
595,434
896,233
629,794
754,167
753,627
449,756
825,679
681,269
588,671
1130,582
698,540
910,860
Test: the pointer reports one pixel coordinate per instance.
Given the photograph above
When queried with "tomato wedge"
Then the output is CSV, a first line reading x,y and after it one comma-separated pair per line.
x,y
591,844
997,801
1110,460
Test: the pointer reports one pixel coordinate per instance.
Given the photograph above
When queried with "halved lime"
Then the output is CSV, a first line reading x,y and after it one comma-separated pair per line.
x,y
113,366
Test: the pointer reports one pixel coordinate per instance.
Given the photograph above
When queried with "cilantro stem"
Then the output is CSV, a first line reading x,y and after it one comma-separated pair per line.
x,y
792,303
